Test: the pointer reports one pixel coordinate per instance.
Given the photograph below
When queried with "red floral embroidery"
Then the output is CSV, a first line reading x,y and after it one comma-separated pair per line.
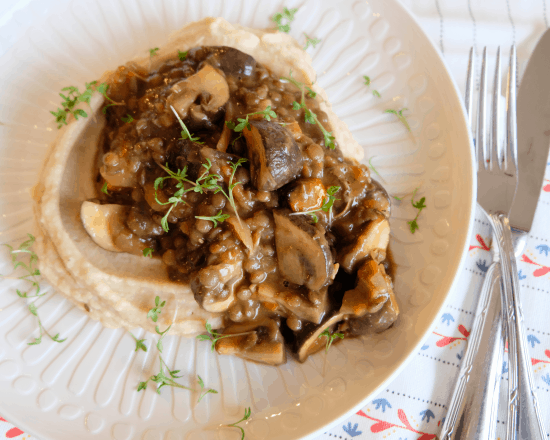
x,y
483,246
446,340
14,432
543,270
382,425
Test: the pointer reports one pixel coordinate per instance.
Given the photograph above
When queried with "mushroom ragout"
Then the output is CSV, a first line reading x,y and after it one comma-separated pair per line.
x,y
287,244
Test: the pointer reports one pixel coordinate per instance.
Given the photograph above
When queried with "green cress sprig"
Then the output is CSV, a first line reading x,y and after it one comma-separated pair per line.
x,y
219,217
165,376
214,336
139,343
32,272
417,205
400,116
229,194
367,83
310,116
327,205
330,337
283,19
182,55
311,42
204,182
247,413
267,114
148,252
153,52
185,132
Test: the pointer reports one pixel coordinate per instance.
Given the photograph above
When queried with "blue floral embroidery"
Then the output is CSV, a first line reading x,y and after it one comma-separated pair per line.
x,y
352,431
533,340
543,248
427,414
381,403
447,317
482,266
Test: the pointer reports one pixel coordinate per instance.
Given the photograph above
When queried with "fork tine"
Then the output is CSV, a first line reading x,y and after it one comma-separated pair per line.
x,y
469,95
482,115
495,150
511,156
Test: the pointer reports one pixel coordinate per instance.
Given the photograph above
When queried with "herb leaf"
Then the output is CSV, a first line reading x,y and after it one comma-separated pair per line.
x,y
185,132
127,119
400,116
157,310
204,392
153,52
214,336
311,42
283,19
148,252
182,55
310,116
330,337
376,93
267,114
247,413
219,217
327,204
413,225
139,343
367,80
104,188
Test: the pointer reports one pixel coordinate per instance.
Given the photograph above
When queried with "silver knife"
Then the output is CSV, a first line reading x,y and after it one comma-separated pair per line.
x,y
533,135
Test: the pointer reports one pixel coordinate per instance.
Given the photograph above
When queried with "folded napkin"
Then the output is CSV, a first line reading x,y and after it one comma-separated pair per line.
x,y
414,405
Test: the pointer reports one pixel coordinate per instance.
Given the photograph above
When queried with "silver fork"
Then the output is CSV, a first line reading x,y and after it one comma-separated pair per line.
x,y
497,182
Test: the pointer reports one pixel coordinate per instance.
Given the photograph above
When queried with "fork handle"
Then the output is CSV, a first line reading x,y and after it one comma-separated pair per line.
x,y
524,415
473,407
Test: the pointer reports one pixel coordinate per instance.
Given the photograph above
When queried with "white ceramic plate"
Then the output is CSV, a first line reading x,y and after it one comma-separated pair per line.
x,y
85,388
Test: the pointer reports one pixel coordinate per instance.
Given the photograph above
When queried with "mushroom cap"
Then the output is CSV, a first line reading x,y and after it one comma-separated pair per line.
x,y
102,222
229,60
275,158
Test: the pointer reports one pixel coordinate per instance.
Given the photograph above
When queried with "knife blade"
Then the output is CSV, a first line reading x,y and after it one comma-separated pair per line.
x,y
533,134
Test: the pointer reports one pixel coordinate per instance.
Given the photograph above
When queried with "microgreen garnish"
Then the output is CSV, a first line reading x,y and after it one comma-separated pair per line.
x,y
214,336
330,338
400,116
231,185
417,205
327,204
204,392
367,80
185,132
219,217
32,272
153,52
127,119
398,198
267,114
157,310
247,413
372,167
376,93
283,19
43,331
311,42
104,188
308,114
163,379
148,252
73,98
205,181
139,343
408,194
311,93
182,55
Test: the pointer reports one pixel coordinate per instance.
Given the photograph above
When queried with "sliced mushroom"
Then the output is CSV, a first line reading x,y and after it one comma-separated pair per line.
x,y
378,199
376,322
308,340
229,60
371,292
307,194
289,301
209,83
262,342
103,223
275,158
303,253
242,232
372,242
214,286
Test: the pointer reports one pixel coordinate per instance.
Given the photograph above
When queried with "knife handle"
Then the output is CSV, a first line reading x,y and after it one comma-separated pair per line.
x,y
524,415
473,409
